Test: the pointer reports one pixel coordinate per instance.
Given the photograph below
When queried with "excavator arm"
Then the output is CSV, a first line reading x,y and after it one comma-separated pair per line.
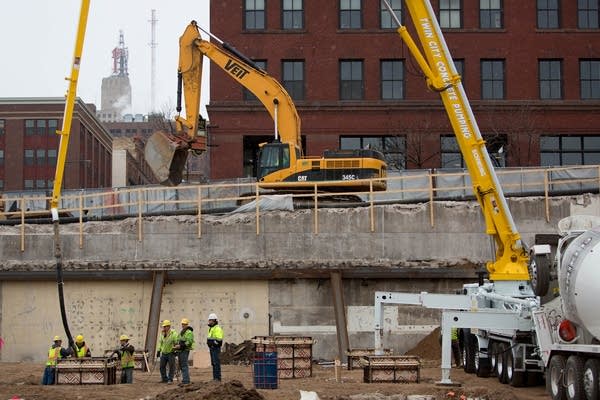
x,y
511,263
167,154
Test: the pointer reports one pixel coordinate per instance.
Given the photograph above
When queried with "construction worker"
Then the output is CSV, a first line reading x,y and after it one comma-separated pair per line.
x,y
186,343
55,352
81,349
125,353
168,339
214,340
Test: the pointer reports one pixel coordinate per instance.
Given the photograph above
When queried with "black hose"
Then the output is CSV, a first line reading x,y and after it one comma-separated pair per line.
x,y
179,84
60,283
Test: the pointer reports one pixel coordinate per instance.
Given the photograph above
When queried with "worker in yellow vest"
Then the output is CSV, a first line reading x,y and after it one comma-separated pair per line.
x,y
125,353
168,338
455,345
55,352
214,340
81,349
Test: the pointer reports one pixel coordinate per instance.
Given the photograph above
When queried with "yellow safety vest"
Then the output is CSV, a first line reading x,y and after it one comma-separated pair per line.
x,y
53,356
127,360
81,351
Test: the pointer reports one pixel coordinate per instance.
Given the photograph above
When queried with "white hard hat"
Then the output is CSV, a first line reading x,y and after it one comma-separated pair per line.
x,y
212,316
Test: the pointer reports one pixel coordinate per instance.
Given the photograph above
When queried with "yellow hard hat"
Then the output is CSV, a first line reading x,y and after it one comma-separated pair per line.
x,y
79,338
124,337
166,322
185,321
57,338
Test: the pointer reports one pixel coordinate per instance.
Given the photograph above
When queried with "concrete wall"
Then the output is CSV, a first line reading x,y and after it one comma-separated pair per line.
x,y
276,281
103,310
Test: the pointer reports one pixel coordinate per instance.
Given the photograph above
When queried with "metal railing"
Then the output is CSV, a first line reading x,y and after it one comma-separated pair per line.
x,y
420,186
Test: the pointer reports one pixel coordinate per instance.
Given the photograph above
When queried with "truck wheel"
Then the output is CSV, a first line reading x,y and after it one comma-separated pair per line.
x,y
470,343
539,273
501,362
554,377
574,377
493,350
590,379
514,378
483,366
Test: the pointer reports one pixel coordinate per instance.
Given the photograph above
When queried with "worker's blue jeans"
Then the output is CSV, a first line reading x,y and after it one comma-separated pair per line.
x,y
184,365
164,360
215,362
49,373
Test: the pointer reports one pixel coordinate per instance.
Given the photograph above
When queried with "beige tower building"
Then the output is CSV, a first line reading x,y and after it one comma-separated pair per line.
x,y
116,89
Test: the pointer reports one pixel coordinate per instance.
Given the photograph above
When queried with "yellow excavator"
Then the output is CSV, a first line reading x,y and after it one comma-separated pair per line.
x,y
281,164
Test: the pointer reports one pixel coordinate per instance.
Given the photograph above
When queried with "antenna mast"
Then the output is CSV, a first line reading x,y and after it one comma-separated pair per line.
x,y
153,44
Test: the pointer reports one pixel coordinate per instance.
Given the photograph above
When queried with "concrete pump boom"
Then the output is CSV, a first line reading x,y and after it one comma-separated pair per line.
x,y
511,263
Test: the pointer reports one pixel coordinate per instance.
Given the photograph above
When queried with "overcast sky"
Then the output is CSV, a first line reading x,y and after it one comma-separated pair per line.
x,y
37,41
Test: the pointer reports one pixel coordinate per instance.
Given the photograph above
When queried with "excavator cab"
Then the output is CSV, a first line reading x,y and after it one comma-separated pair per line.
x,y
273,157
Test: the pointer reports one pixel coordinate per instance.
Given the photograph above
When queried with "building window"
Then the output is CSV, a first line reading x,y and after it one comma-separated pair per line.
x,y
459,64
451,156
29,156
40,157
51,157
2,127
254,14
1,157
587,14
350,14
550,76
547,14
392,79
246,94
490,14
41,127
569,150
293,14
293,78
52,126
450,14
351,80
589,76
40,183
387,22
28,183
29,127
392,147
1,184
492,79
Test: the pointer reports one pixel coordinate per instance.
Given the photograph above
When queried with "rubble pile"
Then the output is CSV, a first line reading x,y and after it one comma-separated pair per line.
x,y
237,354
233,390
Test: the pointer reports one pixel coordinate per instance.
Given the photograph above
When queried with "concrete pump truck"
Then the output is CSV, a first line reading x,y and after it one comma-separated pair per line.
x,y
505,329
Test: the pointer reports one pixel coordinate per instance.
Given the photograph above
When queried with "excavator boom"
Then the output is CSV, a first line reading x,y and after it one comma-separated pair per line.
x,y
166,153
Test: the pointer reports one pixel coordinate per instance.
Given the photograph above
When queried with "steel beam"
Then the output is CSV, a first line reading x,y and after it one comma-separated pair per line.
x,y
339,307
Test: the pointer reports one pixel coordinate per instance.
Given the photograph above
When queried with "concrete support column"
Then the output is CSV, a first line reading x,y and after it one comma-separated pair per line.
x,y
339,307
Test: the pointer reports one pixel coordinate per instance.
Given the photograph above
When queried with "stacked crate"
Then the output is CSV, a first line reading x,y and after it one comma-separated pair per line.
x,y
87,370
355,356
294,354
396,369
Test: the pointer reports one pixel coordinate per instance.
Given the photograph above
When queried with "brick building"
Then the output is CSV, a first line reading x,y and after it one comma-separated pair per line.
x,y
29,145
530,69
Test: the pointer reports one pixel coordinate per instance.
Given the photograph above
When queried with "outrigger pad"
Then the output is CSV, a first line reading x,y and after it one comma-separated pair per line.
x,y
166,157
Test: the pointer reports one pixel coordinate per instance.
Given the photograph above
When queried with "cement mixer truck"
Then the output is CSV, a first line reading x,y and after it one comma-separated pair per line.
x,y
505,329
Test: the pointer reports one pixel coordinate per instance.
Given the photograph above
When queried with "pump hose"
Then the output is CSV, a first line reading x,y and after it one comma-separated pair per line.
x,y
60,284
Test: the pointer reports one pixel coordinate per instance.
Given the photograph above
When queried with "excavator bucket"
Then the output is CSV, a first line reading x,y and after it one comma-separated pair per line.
x,y
166,155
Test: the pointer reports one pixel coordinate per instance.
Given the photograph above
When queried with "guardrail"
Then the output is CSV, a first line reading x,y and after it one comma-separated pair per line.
x,y
80,206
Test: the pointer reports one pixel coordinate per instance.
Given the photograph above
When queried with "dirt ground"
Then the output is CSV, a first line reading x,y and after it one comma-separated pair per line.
x,y
22,380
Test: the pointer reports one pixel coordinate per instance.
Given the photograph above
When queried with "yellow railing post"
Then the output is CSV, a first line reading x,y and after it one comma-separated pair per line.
x,y
546,198
199,206
257,210
372,207
431,204
80,220
140,204
316,230
23,224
